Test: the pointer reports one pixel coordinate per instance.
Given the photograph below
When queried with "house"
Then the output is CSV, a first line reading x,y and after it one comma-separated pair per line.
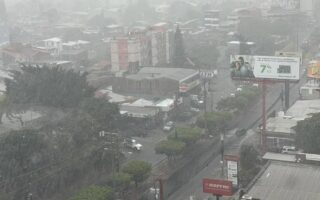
x,y
20,53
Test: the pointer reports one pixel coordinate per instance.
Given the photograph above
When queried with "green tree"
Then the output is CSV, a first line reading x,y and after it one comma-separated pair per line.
x,y
307,134
139,170
102,111
121,181
186,135
3,106
170,148
216,122
94,193
47,87
249,163
248,157
178,49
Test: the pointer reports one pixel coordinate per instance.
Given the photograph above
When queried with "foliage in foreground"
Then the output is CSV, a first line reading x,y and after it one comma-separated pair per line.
x,y
94,193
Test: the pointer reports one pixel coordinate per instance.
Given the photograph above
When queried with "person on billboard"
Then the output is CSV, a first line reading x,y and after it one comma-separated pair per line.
x,y
241,69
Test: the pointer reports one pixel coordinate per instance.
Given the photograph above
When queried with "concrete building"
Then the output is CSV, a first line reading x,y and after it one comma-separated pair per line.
x,y
160,44
279,130
212,19
54,45
310,90
125,51
157,81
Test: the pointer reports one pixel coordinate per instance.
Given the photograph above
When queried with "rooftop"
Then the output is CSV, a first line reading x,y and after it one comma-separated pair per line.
x,y
178,74
281,125
302,109
288,181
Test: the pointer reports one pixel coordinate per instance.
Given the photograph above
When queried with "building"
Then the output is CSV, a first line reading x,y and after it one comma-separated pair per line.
x,y
280,132
19,53
161,39
310,90
125,51
54,45
156,81
279,129
287,180
212,19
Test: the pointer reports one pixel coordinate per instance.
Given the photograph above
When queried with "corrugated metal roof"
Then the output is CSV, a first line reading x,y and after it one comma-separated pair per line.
x,y
291,181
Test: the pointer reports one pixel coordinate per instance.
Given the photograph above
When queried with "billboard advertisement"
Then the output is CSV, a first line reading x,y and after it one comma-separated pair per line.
x,y
264,67
289,54
232,169
314,69
287,4
217,187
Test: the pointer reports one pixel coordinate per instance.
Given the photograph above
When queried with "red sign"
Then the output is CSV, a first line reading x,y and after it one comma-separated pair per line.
x,y
231,157
217,187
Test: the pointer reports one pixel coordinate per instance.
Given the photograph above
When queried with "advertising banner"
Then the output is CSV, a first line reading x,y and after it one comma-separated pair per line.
x,y
232,168
289,54
217,187
314,69
287,4
264,67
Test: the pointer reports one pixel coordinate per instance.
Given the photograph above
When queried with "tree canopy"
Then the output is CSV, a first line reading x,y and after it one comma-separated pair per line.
x,y
139,170
216,122
186,135
47,86
102,111
170,148
94,193
308,135
178,49
248,157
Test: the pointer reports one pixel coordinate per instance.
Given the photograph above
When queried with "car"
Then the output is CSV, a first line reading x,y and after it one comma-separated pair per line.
x,y
168,126
132,144
289,150
194,109
239,89
184,116
241,132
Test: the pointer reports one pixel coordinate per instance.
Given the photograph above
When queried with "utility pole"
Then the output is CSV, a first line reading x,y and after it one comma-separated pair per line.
x,y
205,105
222,154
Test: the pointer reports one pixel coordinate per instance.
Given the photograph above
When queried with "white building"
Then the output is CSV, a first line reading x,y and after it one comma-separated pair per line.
x,y
54,45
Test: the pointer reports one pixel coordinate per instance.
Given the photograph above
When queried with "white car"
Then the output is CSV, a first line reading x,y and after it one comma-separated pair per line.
x,y
133,144
289,150
169,126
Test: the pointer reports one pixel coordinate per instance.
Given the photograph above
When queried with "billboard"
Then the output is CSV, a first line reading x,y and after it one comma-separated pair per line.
x,y
289,54
287,4
232,169
217,187
264,67
314,69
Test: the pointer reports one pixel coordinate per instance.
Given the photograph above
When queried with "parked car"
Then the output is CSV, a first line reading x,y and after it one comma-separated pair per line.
x,y
194,109
168,126
241,132
289,150
132,144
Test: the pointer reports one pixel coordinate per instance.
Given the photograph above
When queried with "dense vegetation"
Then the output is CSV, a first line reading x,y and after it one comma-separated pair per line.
x,y
307,134
53,157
